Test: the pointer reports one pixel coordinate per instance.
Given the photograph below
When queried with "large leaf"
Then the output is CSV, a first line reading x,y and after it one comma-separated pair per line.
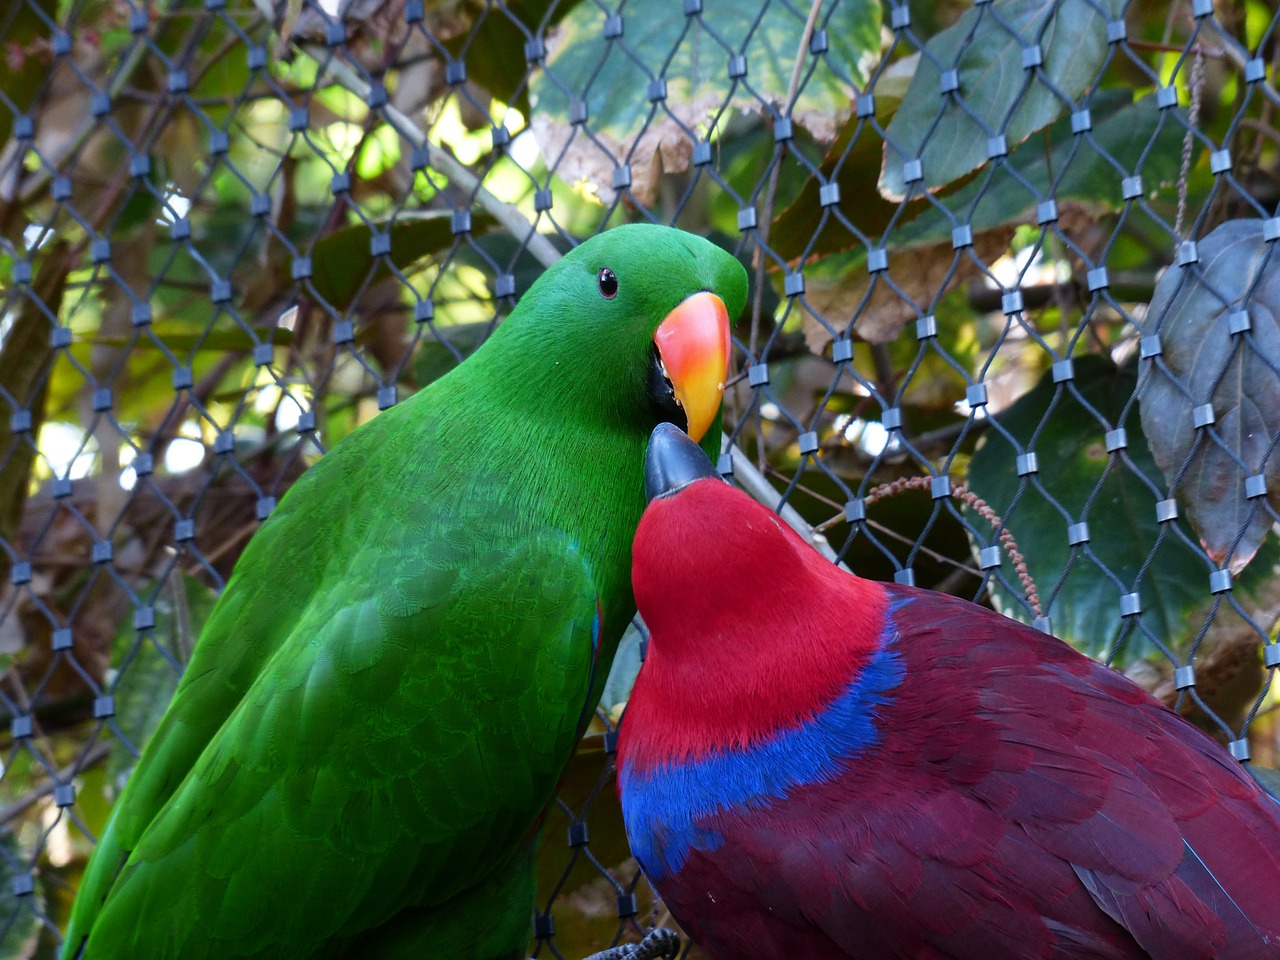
x,y
986,47
922,255
1236,281
624,122
1123,529
343,263
852,162
1138,137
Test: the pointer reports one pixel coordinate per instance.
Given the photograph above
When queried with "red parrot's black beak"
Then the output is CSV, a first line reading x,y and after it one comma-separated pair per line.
x,y
673,461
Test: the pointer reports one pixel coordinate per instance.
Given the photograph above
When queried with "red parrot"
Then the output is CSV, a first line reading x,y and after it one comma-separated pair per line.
x,y
813,765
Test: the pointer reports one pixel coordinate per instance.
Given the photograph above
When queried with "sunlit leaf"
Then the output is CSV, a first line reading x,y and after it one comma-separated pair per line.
x,y
989,49
695,64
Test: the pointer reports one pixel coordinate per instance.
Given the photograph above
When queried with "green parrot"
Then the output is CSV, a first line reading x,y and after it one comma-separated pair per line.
x,y
380,705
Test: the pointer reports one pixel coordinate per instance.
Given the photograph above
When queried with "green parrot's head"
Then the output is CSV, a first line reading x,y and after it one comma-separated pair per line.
x,y
633,325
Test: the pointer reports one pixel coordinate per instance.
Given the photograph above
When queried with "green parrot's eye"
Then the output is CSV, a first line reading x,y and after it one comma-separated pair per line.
x,y
608,281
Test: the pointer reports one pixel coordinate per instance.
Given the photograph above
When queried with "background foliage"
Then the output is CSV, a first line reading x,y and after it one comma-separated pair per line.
x,y
1013,332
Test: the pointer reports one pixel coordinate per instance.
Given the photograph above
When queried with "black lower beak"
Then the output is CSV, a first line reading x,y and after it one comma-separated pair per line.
x,y
673,461
662,396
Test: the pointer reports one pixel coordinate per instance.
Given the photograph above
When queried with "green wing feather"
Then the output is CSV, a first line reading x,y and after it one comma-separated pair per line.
x,y
367,757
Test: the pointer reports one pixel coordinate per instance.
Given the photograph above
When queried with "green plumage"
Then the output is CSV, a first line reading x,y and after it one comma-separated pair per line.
x,y
381,704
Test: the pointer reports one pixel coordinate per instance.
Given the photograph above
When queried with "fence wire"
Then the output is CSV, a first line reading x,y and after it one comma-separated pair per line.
x,y
1012,334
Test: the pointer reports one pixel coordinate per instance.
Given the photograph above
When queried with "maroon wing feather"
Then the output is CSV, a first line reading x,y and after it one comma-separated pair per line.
x,y
1024,802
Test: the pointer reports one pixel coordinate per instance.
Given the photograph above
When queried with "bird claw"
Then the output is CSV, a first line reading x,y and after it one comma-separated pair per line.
x,y
658,944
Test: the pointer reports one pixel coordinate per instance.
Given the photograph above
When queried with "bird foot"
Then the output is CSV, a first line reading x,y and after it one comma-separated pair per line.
x,y
658,944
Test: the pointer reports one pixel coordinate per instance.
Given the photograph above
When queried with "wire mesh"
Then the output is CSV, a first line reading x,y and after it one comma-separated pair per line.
x,y
998,343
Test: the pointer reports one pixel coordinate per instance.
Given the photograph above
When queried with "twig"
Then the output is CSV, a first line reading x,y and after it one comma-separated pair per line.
x,y
979,506
1193,117
1264,129
1224,52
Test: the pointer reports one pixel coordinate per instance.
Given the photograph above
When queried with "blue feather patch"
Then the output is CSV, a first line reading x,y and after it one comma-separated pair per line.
x,y
669,808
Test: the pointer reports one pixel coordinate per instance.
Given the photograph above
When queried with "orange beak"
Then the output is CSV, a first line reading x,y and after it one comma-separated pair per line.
x,y
694,346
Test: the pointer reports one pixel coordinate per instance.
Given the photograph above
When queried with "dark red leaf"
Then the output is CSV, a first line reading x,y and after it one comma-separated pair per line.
x,y
1204,365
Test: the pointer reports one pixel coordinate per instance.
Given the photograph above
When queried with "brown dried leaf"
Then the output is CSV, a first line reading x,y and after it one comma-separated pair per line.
x,y
660,146
838,287
1229,671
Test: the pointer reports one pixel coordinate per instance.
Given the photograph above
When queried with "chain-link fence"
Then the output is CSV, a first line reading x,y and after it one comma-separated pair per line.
x,y
1012,333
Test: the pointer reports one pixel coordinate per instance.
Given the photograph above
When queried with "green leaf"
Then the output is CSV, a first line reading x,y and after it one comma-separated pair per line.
x,y
1238,375
1064,166
1061,164
923,256
624,122
1067,439
986,48
494,49
343,263
853,167
183,337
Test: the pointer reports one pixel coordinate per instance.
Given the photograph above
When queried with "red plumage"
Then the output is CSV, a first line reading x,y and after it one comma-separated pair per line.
x,y
817,766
